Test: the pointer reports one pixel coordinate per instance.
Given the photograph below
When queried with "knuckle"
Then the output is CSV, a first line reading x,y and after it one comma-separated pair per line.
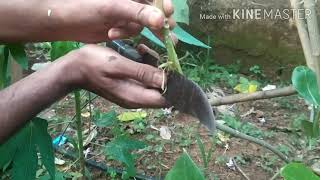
x,y
140,12
142,73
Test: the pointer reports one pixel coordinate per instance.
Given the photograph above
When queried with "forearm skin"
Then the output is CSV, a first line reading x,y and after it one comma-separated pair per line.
x,y
26,98
25,21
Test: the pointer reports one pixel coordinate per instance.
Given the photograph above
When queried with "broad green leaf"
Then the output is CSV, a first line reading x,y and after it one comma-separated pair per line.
x,y
149,35
185,37
119,149
298,171
181,11
305,82
185,169
61,48
25,161
104,119
181,34
44,144
22,150
130,116
18,54
7,151
4,61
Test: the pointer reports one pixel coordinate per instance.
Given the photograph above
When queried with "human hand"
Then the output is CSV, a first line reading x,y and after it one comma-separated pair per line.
x,y
101,20
122,81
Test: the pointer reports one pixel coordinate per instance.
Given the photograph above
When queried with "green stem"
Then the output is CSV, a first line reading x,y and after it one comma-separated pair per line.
x,y
79,131
173,60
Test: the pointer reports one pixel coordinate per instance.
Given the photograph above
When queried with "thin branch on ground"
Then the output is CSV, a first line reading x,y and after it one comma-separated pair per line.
x,y
239,169
237,98
262,143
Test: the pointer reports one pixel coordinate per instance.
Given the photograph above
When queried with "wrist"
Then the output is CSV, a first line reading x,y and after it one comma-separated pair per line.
x,y
71,70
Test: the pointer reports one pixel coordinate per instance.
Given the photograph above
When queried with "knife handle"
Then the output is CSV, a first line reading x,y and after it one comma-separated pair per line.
x,y
125,50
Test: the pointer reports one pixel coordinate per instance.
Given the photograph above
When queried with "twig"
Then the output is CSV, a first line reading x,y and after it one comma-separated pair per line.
x,y
287,91
275,175
252,139
239,169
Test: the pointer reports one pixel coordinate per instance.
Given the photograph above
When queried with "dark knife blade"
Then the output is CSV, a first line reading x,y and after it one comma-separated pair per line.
x,y
187,97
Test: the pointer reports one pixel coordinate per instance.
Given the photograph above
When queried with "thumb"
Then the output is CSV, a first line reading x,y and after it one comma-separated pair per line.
x,y
143,14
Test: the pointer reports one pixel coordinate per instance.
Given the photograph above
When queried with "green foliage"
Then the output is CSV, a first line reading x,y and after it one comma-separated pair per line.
x,y
181,34
206,157
149,35
130,116
298,171
104,119
246,127
204,72
202,151
185,37
181,11
4,60
305,82
185,169
61,48
18,54
119,149
21,149
247,86
257,71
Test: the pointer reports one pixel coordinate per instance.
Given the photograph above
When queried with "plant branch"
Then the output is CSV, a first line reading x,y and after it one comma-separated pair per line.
x,y
238,134
237,98
314,36
304,35
173,61
79,132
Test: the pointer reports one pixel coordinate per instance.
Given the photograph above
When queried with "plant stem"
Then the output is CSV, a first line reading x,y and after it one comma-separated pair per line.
x,y
173,60
79,132
238,134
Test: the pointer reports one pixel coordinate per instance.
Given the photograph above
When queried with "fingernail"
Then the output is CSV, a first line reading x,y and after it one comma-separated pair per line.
x,y
156,20
114,33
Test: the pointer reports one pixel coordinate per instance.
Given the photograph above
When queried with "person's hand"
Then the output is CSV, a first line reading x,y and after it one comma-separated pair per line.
x,y
101,20
122,81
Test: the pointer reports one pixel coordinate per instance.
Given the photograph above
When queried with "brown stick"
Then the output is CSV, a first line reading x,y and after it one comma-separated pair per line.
x,y
287,91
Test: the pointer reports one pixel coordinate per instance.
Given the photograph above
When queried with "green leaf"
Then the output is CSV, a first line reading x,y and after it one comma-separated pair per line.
x,y
181,11
130,116
185,169
298,171
25,161
181,34
61,48
44,144
7,151
4,62
185,37
119,149
19,55
149,35
22,150
104,119
305,82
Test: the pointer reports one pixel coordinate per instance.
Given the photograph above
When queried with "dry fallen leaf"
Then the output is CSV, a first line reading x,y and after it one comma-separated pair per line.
x,y
59,162
165,133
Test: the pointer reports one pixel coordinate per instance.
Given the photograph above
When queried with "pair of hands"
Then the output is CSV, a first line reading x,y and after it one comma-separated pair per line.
x,y
102,70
